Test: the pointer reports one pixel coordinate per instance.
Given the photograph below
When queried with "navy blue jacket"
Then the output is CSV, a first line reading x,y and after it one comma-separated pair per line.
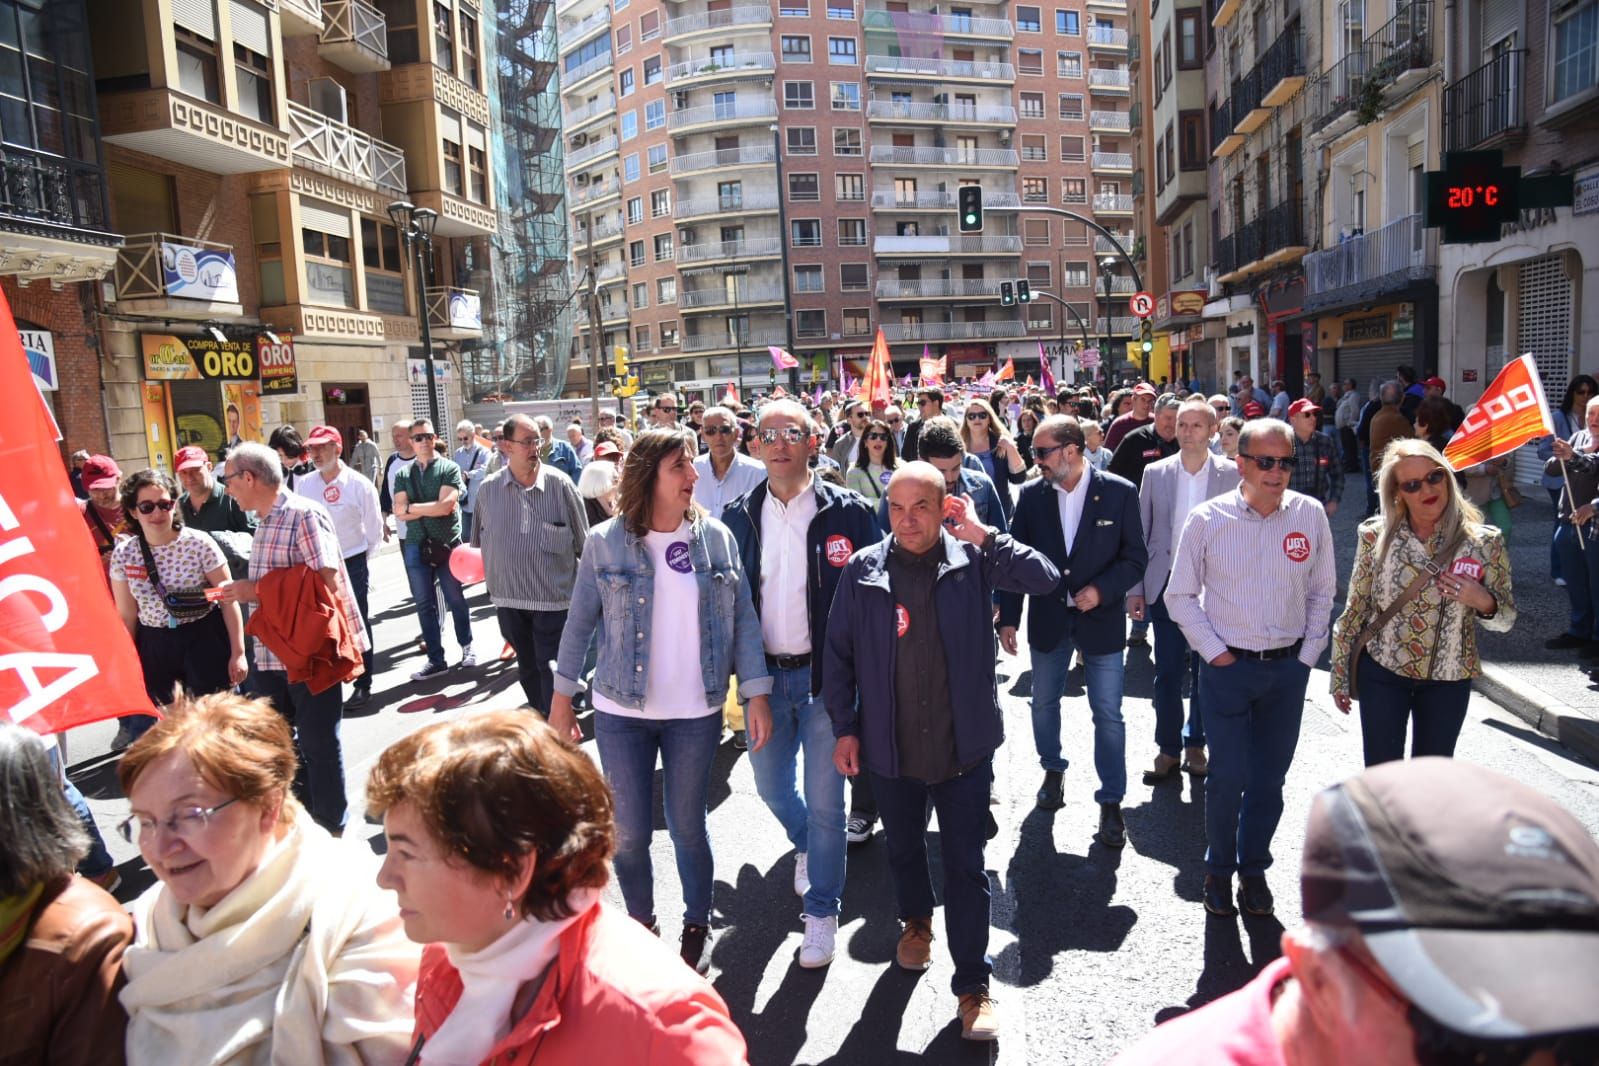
x,y
862,636
1108,553
976,483
843,525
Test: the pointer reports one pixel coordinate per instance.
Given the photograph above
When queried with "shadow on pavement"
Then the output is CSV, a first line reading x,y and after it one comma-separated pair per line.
x,y
1172,831
1227,968
1535,739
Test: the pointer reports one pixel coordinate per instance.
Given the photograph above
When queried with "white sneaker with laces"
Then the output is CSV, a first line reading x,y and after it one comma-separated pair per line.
x,y
802,875
858,830
468,656
816,950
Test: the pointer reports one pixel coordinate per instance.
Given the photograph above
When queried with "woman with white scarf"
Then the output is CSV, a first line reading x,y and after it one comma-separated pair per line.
x,y
498,836
265,943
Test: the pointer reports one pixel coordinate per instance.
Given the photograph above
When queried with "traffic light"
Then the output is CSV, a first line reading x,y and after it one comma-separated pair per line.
x,y
1146,337
971,208
1007,294
621,360
1024,292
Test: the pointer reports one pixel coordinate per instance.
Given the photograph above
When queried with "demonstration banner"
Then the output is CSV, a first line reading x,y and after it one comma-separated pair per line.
x,y
65,657
1511,412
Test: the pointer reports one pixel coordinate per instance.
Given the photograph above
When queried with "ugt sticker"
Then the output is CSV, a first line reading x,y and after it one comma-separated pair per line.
x,y
839,549
1297,547
1466,568
331,494
902,620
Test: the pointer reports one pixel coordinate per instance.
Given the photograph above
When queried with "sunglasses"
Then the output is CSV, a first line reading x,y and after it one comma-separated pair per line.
x,y
1047,451
1269,462
791,434
499,437
420,437
668,410
877,436
718,431
224,477
977,416
896,422
150,506
1432,480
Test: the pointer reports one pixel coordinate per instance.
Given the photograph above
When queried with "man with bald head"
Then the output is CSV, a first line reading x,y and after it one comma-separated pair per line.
x,y
909,686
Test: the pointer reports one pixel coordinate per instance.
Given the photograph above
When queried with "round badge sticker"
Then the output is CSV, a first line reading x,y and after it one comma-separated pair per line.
x,y
884,477
677,557
902,620
1297,547
839,549
331,494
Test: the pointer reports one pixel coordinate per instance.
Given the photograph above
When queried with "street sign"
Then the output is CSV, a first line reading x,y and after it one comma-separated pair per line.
x,y
1142,304
1088,358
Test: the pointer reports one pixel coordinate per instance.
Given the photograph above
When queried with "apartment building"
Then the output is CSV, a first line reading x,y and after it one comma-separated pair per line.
x,y
746,175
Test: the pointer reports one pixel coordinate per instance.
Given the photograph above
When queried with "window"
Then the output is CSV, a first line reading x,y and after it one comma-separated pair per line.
x,y
666,290
801,140
624,39
1071,106
652,70
635,253
578,57
629,125
857,321
1038,275
253,74
471,63
846,96
796,49
380,251
1035,231
624,82
1028,20
663,247
453,171
798,95
1188,247
641,338
841,51
847,142
1576,51
1192,144
1074,191
400,15
325,242
443,34
808,278
852,277
1032,105
1188,57
668,334
641,295
660,203
1040,315
1069,64
1068,23
1029,61
804,187
1160,165
1072,149
1171,157
730,195
477,174
197,67
1033,150
635,210
1035,190
649,28
852,233
630,168
840,12
806,232
810,323
655,114
849,188
655,155
790,10
1075,276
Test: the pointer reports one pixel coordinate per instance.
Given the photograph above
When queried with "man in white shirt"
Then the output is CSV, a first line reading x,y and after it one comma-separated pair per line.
x,y
351,500
725,472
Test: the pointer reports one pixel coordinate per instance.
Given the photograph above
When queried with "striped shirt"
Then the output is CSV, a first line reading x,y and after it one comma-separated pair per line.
x,y
531,538
1241,580
1317,471
298,531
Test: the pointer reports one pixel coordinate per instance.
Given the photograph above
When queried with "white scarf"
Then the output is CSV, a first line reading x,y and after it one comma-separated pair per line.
x,y
481,1018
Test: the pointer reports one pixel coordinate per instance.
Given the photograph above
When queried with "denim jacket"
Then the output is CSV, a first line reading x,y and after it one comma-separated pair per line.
x,y
612,594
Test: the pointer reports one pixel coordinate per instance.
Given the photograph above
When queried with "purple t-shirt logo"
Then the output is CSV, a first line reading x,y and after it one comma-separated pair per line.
x,y
677,557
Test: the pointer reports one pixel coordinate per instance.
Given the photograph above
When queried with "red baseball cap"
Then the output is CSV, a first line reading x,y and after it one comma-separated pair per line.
x,y
101,472
191,457
1436,382
1144,388
606,450
325,435
1299,407
1252,409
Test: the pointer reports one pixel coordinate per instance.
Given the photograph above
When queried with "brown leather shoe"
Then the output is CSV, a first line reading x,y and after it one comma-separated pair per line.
x,y
915,950
1166,767
978,1021
1196,763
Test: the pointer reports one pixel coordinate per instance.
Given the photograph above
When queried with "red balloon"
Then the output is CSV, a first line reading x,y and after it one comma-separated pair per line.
x,y
466,563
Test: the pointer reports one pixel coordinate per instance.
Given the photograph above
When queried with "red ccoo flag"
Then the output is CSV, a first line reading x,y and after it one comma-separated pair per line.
x,y
65,657
1511,412
1007,372
878,387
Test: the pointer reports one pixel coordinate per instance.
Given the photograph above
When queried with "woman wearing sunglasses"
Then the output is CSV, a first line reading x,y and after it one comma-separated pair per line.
x,y
988,439
876,463
160,574
1427,573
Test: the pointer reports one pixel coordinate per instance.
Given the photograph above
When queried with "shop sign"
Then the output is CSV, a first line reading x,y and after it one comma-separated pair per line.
x,y
40,347
1405,323
1187,302
416,371
1586,195
168,358
277,365
199,273
656,375
466,310
1370,328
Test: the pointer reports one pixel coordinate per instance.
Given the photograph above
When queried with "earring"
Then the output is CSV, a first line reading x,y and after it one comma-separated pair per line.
x,y
510,912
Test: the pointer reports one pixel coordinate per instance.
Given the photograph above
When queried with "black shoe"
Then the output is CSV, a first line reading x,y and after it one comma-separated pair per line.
x,y
741,740
1052,796
1112,830
1219,896
1255,897
1138,640
993,827
696,947
359,697
1564,641
1589,650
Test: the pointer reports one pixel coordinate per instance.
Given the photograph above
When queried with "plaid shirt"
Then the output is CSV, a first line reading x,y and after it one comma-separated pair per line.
x,y
298,530
1317,471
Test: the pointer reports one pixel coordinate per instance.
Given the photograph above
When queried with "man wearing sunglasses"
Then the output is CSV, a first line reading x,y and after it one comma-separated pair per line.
x,y
664,411
428,498
725,472
1252,588
929,404
845,450
1317,471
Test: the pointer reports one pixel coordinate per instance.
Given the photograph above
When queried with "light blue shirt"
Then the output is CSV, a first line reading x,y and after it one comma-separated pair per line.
x,y
742,476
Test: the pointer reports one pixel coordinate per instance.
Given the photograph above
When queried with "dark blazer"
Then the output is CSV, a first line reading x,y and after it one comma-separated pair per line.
x,y
1108,554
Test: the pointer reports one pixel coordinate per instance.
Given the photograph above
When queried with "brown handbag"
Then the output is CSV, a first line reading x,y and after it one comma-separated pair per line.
x,y
1412,590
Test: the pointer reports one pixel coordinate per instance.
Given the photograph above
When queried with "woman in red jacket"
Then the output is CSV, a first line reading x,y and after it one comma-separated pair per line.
x,y
498,838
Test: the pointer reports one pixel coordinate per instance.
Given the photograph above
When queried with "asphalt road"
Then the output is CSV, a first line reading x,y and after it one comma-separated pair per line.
x,y
1092,947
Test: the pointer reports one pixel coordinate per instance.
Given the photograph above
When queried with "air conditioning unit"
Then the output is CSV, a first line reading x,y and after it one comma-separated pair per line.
x,y
327,98
581,179
579,140
1004,138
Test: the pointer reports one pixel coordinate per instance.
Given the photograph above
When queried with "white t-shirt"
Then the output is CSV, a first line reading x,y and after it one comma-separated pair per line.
x,y
182,566
675,686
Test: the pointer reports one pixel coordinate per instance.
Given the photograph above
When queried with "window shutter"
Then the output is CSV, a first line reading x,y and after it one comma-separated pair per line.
x,y
250,27
198,16
449,126
1418,154
324,217
1499,20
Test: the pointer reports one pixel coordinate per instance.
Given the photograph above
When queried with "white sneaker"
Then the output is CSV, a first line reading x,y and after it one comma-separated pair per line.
x,y
468,656
816,950
802,875
1560,582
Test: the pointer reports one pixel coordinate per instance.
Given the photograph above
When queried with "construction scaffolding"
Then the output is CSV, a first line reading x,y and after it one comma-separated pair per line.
x,y
527,307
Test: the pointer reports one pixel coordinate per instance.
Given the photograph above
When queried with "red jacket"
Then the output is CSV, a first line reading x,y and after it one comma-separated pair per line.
x,y
615,996
301,622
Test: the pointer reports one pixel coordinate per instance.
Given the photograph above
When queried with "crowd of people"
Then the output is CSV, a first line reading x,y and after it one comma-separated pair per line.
x,y
832,582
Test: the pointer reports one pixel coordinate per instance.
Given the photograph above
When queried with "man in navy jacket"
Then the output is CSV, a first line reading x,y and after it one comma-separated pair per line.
x,y
910,688
1086,523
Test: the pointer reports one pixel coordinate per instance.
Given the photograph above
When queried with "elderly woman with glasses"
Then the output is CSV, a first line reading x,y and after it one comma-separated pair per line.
x,y
265,940
1427,573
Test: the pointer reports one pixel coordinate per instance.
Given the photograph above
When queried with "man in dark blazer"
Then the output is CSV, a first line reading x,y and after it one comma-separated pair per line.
x,y
1085,522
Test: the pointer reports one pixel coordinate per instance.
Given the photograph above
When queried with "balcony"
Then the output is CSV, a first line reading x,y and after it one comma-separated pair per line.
x,y
354,36
598,108
179,128
1135,117
593,150
1120,285
940,114
1224,13
1395,58
752,202
610,274
721,68
1484,108
1273,239
1135,51
946,245
742,17
1111,162
944,157
1223,140
1110,203
1244,105
1123,243
748,156
454,314
1114,81
891,200
896,332
53,219
901,67
575,31
936,288
740,112
300,18
593,194
1114,122
922,23
717,297
333,148
1107,38
714,251
1282,68
162,275
721,341
606,230
1384,261
1115,326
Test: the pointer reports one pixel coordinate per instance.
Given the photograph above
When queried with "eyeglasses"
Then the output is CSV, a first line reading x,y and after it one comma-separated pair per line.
x,y
1219,407
499,437
667,410
877,436
149,506
976,416
896,422
788,434
859,414
1432,480
224,477
718,431
1268,462
1048,450
528,441
420,437
183,824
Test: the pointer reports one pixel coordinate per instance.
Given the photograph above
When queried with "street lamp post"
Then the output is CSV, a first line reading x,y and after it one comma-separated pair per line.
x,y
416,226
738,333
1107,270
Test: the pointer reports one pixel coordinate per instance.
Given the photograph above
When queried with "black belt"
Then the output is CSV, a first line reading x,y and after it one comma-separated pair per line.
x,y
1268,654
788,662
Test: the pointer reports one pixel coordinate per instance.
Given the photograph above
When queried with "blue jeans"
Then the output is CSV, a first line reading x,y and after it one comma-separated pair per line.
x,y
962,806
1580,567
98,860
815,823
1173,661
422,577
1554,549
687,747
360,580
1389,702
1253,710
315,719
1103,679
466,527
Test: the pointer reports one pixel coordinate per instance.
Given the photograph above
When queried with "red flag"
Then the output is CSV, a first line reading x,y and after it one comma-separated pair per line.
x,y
65,657
877,389
1511,412
1007,372
1046,378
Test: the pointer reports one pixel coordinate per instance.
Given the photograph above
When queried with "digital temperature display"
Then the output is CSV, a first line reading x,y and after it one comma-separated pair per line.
x,y
1466,196
1471,197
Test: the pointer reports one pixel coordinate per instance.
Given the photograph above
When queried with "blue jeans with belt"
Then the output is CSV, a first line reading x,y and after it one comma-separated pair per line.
x,y
1173,662
1389,702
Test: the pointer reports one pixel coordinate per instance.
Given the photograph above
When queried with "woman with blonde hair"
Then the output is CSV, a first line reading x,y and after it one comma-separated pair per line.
x,y
264,940
1427,573
990,442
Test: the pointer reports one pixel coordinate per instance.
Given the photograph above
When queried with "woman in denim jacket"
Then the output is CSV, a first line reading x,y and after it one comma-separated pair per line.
x,y
662,584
